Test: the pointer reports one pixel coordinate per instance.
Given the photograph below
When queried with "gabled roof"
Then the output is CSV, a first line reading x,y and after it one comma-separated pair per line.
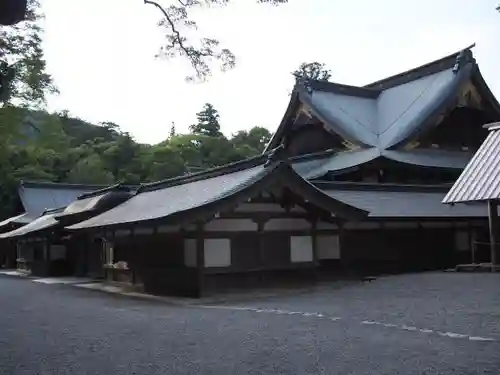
x,y
200,196
388,112
480,180
36,196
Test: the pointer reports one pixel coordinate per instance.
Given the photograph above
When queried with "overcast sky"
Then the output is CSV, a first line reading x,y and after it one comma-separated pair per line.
x,y
101,54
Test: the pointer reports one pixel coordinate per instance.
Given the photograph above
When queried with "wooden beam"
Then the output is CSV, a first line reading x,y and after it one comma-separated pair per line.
x,y
200,257
493,225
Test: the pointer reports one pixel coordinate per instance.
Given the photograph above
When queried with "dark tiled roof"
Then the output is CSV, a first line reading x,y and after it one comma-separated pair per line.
x,y
18,219
204,194
319,166
480,180
45,221
36,197
401,201
387,113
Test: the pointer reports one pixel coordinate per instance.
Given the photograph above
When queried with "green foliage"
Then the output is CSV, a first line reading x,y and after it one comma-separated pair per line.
x,y
35,145
208,122
90,170
314,71
26,80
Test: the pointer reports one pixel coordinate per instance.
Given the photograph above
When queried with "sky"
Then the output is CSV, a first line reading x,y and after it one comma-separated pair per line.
x,y
101,54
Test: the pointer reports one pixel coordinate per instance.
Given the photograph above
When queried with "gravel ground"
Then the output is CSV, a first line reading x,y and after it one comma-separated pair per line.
x,y
429,321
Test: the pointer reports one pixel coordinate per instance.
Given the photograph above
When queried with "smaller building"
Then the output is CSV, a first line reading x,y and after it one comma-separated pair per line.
x,y
44,247
231,225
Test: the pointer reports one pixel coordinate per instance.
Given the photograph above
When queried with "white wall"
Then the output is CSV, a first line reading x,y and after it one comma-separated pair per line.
x,y
231,225
328,246
217,252
301,249
287,224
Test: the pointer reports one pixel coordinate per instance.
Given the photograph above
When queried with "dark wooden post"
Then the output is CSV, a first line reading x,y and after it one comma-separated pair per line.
x,y
493,224
314,238
200,258
261,222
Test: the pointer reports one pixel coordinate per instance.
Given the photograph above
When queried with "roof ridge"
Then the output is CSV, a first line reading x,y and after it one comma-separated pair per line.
x,y
65,185
340,88
429,68
209,173
116,187
382,186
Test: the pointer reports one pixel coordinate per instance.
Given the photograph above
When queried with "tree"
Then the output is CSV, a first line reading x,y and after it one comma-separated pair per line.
x,y
90,170
312,71
23,73
172,130
208,122
252,142
203,52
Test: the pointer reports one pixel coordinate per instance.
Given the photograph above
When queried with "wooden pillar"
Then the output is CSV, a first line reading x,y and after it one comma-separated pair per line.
x,y
314,239
344,260
493,224
472,244
46,246
260,251
200,258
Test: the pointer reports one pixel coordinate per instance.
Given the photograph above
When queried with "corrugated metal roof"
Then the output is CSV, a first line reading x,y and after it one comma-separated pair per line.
x,y
480,180
406,204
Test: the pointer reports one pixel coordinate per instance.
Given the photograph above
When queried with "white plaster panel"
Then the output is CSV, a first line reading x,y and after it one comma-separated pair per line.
x,y
217,252
190,252
301,249
287,224
462,241
57,252
231,225
362,225
323,225
328,247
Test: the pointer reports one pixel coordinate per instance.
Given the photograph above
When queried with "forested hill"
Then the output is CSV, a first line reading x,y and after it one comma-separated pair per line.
x,y
40,146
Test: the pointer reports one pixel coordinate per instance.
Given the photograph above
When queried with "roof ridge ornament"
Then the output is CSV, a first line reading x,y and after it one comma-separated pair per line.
x,y
304,82
276,155
463,58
